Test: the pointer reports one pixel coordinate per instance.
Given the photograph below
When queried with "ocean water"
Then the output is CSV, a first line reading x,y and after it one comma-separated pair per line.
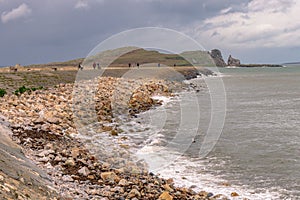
x,y
258,152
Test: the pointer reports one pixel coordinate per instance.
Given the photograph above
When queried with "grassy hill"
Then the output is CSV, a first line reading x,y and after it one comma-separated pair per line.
x,y
135,55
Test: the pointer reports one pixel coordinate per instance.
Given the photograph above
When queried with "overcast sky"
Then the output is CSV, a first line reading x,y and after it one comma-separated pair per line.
x,y
255,31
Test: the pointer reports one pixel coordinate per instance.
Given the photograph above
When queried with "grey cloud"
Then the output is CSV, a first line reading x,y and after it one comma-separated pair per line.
x,y
56,30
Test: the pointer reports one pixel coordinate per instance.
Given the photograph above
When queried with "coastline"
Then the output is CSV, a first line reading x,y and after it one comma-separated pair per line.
x,y
42,124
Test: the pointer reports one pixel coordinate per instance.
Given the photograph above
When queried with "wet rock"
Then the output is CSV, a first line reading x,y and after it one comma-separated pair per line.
x,y
220,197
234,194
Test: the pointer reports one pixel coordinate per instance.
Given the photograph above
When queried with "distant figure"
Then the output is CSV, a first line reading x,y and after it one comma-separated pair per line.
x,y
129,65
80,67
94,65
138,65
158,65
174,65
98,66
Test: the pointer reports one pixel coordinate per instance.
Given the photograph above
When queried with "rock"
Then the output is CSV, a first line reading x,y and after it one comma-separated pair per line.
x,y
70,162
134,193
50,117
113,132
118,189
67,178
58,158
233,61
109,176
84,171
217,57
43,159
220,197
123,182
105,166
210,195
202,194
75,152
165,196
168,188
234,194
1,178
45,153
91,177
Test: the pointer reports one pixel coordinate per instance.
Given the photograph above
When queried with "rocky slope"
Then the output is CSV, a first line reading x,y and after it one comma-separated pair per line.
x,y
20,178
42,122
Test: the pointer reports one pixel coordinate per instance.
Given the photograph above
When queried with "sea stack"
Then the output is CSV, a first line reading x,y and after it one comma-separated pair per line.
x,y
233,61
217,57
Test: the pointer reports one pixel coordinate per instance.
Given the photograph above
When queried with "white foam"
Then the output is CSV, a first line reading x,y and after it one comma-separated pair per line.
x,y
194,175
232,67
164,99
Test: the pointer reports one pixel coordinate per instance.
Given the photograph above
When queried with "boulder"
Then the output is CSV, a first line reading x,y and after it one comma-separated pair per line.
x,y
217,57
233,61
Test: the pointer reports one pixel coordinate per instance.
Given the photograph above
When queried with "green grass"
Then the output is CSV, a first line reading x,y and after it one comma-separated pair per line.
x,y
2,92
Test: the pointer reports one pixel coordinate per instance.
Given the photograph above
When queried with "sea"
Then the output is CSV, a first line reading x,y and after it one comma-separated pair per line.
x,y
250,133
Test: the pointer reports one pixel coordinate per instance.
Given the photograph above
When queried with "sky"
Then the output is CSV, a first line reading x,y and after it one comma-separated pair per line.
x,y
255,31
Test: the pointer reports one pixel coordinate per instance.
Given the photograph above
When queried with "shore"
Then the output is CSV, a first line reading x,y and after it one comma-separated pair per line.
x,y
43,124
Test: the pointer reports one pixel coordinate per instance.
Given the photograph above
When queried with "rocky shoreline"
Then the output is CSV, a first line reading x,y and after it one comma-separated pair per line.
x,y
42,123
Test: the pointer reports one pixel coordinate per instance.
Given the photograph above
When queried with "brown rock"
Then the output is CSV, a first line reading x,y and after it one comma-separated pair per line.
x,y
123,182
75,152
70,162
234,194
168,188
134,193
165,196
109,176
113,132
